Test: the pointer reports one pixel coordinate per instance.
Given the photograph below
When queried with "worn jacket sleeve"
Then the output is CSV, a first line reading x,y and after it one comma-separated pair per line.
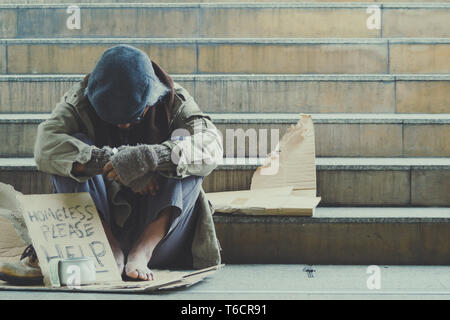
x,y
55,149
195,143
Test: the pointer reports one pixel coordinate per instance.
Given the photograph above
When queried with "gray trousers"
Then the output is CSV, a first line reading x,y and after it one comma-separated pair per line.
x,y
174,250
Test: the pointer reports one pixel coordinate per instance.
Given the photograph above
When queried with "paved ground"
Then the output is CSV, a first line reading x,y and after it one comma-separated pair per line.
x,y
262,282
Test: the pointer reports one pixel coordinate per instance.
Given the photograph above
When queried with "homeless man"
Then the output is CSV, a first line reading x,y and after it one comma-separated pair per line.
x,y
127,135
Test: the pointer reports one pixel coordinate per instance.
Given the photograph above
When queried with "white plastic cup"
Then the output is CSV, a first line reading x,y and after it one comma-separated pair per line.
x,y
76,271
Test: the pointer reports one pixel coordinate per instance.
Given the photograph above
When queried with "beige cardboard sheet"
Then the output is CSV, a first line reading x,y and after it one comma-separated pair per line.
x,y
164,280
292,163
236,198
11,247
67,225
13,230
285,184
249,203
277,201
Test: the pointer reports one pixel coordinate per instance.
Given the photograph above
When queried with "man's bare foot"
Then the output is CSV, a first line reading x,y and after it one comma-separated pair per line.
x,y
140,254
136,268
138,259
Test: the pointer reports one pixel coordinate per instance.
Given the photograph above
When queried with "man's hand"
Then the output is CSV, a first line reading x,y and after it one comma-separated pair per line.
x,y
99,157
78,169
152,187
108,169
135,162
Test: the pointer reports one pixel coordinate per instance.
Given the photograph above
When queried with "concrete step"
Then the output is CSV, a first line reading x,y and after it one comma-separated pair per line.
x,y
235,55
342,135
337,135
311,20
267,283
366,236
340,181
359,93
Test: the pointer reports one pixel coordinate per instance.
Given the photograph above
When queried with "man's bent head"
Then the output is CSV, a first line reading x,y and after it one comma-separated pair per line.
x,y
123,85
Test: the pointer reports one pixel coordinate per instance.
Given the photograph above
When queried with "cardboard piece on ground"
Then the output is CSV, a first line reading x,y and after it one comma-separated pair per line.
x,y
236,201
285,184
164,280
255,203
294,157
13,230
11,247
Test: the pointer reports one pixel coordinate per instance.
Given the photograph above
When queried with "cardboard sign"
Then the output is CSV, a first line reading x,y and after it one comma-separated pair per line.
x,y
68,226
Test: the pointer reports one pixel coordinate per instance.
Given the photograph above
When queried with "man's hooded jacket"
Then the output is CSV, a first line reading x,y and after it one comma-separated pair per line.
x,y
56,150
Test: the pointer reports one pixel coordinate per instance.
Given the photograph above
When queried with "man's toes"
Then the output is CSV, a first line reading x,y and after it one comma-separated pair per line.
x,y
148,274
142,275
138,271
132,273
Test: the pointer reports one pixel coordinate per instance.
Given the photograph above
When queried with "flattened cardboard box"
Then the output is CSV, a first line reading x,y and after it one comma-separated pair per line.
x,y
164,280
270,201
285,184
292,163
65,226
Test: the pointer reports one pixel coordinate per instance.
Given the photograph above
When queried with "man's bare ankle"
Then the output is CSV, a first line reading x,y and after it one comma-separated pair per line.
x,y
140,253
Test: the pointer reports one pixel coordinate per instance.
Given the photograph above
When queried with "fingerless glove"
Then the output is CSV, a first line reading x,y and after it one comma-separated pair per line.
x,y
132,162
99,157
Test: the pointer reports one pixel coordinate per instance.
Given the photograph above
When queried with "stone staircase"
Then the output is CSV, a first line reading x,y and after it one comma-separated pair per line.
x,y
379,98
